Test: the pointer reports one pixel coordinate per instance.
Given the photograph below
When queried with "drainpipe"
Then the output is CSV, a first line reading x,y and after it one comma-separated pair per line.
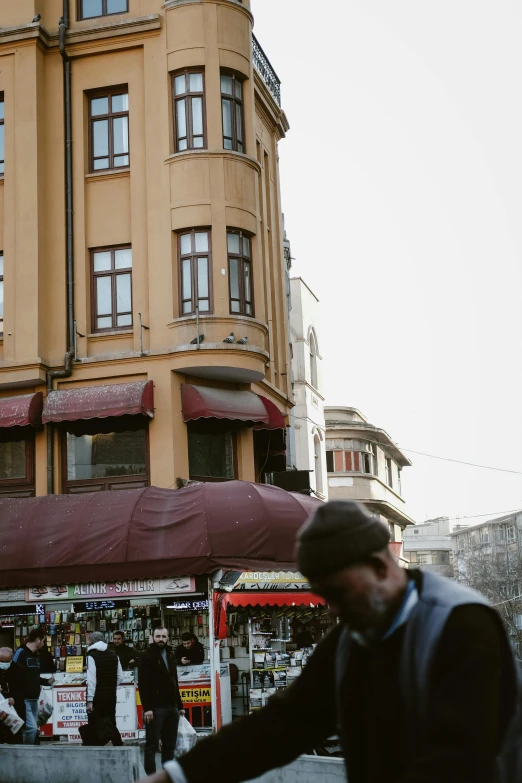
x,y
68,358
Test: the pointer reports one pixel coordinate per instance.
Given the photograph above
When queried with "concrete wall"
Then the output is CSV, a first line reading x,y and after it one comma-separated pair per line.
x,y
308,769
161,193
61,763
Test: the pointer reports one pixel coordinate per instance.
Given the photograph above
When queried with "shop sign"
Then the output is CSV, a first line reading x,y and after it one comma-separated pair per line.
x,y
188,606
69,709
126,588
74,664
199,695
271,580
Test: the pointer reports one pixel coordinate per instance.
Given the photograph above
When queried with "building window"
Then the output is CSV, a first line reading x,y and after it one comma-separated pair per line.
x,y
500,534
232,112
240,273
474,538
1,294
194,270
412,556
2,138
330,461
89,9
389,473
399,480
211,451
112,289
109,126
313,360
423,558
510,534
16,464
318,465
484,535
189,110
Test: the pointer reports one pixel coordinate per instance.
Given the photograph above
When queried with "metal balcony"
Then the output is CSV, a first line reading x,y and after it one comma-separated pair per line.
x,y
265,70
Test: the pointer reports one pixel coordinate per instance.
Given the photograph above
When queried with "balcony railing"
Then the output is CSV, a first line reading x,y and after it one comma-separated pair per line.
x,y
267,73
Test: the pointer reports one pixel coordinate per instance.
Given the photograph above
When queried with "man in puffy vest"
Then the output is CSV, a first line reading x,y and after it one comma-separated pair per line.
x,y
104,674
417,678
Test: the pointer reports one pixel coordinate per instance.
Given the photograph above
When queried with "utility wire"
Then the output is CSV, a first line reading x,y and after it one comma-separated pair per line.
x,y
461,462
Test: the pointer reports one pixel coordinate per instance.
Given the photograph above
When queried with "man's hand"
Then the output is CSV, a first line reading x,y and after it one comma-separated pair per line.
x,y
131,663
148,717
89,706
182,713
160,777
11,702
185,661
52,681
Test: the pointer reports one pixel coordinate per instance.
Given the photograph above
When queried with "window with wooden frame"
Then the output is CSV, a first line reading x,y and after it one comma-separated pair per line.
x,y
17,463
232,112
109,129
105,454
194,271
189,110
212,450
90,9
111,289
2,136
1,294
240,273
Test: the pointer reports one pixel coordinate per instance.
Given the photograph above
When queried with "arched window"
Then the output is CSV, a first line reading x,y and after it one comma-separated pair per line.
x,y
318,466
313,360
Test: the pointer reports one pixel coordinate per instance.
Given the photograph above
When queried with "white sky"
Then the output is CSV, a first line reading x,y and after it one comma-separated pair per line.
x,y
402,193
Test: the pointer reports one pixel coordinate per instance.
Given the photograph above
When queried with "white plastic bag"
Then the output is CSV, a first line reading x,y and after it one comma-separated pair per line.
x,y
45,706
9,716
186,737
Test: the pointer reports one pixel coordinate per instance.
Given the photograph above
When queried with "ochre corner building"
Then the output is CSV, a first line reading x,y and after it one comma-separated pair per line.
x,y
142,280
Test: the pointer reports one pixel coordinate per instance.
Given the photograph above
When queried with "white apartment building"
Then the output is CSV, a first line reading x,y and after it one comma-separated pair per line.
x,y
429,545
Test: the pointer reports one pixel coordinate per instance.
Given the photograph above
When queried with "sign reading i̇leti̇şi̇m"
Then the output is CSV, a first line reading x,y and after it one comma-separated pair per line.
x,y
126,588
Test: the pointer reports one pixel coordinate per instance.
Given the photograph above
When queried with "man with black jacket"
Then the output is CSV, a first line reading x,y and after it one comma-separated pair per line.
x,y
12,682
415,658
27,657
159,693
104,674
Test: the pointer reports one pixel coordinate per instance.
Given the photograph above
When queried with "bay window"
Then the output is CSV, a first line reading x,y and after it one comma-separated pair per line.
x,y
194,271
240,273
189,110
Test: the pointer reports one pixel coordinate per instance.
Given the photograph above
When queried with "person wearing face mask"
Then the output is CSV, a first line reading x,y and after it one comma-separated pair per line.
x,y
12,689
161,700
27,657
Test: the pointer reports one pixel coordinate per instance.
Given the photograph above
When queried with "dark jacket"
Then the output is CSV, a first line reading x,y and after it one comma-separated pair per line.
x,y
12,683
47,664
195,654
158,684
106,662
30,663
125,654
471,700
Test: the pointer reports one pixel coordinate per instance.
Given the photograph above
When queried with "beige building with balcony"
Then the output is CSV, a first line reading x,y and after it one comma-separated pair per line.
x,y
143,302
364,464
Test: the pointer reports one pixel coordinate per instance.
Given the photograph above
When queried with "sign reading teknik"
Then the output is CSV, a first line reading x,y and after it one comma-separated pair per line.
x,y
130,588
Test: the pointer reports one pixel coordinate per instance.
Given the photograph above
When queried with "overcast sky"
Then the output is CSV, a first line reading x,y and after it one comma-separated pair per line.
x,y
402,193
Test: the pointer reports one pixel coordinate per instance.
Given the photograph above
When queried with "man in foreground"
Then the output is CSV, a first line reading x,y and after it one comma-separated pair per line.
x,y
418,675
27,657
104,674
190,652
161,700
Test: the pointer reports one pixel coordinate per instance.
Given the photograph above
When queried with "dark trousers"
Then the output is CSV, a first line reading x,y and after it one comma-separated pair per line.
x,y
164,727
102,723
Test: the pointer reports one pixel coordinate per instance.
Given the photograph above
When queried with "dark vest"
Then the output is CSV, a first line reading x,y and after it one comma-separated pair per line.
x,y
106,662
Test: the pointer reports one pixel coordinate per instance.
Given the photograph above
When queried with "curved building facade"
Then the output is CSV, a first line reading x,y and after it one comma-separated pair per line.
x,y
161,258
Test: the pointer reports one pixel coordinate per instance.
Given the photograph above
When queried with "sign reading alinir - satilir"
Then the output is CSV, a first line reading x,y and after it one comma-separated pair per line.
x,y
126,588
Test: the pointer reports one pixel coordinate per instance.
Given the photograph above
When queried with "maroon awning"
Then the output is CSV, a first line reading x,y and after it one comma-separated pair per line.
x,y
206,402
275,417
22,411
100,402
152,532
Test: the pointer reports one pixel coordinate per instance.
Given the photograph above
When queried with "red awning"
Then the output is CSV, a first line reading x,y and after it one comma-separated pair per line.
x,y
206,402
22,411
274,599
275,417
152,532
100,402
